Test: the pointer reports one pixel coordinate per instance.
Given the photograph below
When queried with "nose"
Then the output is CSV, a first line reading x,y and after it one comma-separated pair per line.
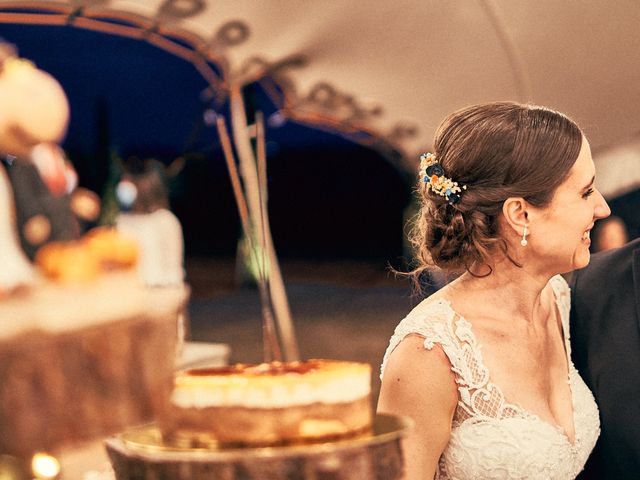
x,y
602,209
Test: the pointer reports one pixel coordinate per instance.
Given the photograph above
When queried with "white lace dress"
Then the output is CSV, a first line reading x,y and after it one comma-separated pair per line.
x,y
492,438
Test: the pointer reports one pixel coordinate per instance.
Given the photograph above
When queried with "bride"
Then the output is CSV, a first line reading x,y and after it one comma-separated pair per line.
x,y
483,366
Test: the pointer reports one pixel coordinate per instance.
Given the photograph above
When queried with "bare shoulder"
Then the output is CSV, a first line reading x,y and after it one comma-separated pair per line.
x,y
418,383
414,372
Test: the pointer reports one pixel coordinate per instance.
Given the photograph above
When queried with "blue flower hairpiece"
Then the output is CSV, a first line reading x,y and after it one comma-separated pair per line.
x,y
432,174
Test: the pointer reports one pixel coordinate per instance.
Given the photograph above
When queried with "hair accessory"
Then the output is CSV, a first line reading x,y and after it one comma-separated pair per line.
x,y
432,173
524,242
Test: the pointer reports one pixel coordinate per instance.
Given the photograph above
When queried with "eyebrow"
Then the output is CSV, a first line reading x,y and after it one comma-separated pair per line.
x,y
590,184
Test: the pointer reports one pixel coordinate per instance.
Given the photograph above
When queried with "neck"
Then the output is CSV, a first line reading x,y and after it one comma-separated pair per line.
x,y
518,290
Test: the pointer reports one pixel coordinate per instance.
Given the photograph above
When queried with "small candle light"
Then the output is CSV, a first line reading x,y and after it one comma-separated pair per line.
x,y
45,466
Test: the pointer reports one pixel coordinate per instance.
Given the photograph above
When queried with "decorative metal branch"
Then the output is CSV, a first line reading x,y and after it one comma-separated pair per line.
x,y
271,346
248,170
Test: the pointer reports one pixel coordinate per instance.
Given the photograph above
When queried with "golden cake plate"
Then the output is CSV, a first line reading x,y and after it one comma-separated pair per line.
x,y
376,454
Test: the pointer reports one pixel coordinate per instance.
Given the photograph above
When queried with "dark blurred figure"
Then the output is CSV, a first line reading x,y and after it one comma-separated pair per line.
x,y
609,233
41,215
605,314
627,207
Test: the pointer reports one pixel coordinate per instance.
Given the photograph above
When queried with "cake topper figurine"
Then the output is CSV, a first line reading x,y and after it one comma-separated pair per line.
x,y
33,110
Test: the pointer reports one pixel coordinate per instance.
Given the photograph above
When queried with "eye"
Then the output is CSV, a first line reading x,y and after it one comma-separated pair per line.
x,y
588,193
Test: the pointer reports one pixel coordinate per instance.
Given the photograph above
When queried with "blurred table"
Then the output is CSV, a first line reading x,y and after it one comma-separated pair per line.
x,y
86,462
203,354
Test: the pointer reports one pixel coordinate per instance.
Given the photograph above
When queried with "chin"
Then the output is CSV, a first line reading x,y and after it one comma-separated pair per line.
x,y
581,260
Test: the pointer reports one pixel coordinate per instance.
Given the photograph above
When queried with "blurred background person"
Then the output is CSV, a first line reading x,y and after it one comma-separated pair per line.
x,y
610,233
143,197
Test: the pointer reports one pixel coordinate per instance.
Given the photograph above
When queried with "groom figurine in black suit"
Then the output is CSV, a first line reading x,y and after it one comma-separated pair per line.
x,y
605,338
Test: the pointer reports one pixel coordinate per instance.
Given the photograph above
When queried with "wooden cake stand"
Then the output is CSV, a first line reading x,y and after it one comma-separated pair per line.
x,y
81,362
139,454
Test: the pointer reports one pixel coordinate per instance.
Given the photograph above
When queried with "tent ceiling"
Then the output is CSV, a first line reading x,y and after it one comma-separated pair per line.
x,y
397,68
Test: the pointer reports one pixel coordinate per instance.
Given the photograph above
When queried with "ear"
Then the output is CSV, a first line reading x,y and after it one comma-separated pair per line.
x,y
514,210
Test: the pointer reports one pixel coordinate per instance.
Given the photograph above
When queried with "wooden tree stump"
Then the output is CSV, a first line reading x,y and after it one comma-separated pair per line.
x,y
140,455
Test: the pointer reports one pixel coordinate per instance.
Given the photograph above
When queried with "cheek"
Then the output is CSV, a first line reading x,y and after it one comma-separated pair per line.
x,y
581,216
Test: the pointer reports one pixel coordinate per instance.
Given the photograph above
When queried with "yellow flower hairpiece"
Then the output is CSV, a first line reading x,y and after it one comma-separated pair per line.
x,y
432,174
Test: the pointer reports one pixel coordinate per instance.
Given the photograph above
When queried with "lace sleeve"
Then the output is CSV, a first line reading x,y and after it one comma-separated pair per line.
x,y
440,325
436,322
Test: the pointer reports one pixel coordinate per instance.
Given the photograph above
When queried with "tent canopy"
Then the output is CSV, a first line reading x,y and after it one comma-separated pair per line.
x,y
393,70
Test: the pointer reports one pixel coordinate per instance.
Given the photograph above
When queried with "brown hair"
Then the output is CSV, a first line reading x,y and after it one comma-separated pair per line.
x,y
149,178
499,150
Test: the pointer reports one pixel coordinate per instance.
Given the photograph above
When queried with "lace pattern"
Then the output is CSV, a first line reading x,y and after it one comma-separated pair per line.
x,y
492,438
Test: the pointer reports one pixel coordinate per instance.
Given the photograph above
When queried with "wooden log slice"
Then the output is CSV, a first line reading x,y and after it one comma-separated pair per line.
x,y
77,365
377,456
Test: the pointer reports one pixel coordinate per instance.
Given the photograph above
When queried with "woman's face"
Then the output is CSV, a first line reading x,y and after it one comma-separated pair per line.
x,y
560,232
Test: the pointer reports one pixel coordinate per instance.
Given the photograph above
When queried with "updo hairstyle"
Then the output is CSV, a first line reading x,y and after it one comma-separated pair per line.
x,y
498,150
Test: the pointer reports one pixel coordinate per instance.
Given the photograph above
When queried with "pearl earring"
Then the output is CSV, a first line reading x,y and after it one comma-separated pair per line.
x,y
524,242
